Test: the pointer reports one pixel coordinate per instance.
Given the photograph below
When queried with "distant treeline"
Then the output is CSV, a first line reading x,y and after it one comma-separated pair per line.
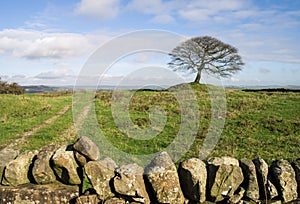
x,y
10,88
272,90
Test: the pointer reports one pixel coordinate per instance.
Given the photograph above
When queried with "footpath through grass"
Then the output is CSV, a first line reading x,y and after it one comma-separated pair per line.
x,y
258,124
22,113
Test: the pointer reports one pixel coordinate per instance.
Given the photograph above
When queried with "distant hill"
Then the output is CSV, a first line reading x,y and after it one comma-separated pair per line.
x,y
272,90
43,89
260,87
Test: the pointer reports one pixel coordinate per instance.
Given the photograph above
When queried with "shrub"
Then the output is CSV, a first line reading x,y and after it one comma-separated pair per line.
x,y
13,88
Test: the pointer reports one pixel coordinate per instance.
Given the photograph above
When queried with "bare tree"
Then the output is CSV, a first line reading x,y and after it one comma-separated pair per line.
x,y
206,54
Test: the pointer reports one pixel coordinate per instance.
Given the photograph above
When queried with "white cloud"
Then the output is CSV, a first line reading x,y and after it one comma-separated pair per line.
x,y
195,14
162,12
100,9
32,44
58,80
163,19
141,58
202,10
264,70
33,24
55,74
146,6
232,79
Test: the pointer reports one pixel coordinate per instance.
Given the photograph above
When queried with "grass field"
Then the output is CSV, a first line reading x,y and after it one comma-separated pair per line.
x,y
28,114
258,124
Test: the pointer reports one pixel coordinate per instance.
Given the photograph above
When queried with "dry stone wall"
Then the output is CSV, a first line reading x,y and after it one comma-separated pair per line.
x,y
77,174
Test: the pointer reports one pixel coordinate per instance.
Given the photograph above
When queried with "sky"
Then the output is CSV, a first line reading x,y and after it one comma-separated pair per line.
x,y
49,41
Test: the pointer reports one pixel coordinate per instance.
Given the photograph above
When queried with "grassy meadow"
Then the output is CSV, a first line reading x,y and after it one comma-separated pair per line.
x,y
28,114
258,124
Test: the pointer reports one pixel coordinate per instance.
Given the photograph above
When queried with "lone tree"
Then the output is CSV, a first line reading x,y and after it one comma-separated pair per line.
x,y
206,54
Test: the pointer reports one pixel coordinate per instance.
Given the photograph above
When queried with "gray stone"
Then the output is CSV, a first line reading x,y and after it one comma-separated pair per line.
x,y
296,166
34,194
227,180
115,201
65,166
218,161
193,176
87,199
224,177
250,179
6,155
266,202
88,148
109,163
42,171
236,198
267,190
16,171
129,182
285,180
275,202
262,170
81,160
213,165
271,189
100,174
162,176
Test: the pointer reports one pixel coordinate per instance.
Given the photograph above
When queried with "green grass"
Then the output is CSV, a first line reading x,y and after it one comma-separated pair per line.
x,y
53,133
22,113
258,124
261,124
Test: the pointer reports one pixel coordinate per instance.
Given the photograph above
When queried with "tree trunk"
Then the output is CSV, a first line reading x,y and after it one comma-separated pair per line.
x,y
198,77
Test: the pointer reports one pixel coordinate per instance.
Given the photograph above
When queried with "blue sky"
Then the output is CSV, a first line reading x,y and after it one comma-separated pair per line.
x,y
48,42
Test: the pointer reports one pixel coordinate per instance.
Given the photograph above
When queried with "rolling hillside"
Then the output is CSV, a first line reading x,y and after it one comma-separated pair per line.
x,y
258,124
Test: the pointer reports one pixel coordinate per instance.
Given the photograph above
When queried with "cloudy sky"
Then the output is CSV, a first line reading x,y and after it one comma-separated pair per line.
x,y
48,41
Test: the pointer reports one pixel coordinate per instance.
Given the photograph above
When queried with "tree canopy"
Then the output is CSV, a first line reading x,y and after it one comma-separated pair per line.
x,y
207,54
13,88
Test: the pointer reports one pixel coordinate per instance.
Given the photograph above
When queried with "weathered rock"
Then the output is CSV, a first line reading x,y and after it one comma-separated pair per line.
x,y
65,166
90,199
218,161
31,194
296,166
262,171
224,177
193,176
100,174
115,201
6,155
250,179
81,160
213,165
129,182
267,190
275,202
236,198
285,180
228,179
16,172
109,163
271,189
88,148
162,176
42,171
